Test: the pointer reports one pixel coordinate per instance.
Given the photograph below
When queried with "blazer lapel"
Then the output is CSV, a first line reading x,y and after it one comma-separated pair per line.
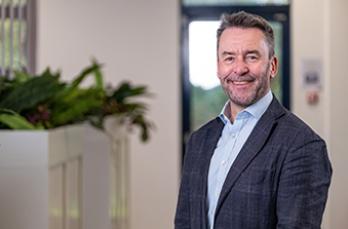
x,y
252,146
211,138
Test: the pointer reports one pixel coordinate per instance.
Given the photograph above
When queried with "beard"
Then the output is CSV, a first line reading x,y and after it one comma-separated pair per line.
x,y
246,97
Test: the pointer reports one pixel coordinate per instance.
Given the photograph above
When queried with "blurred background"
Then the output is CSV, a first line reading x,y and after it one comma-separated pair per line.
x,y
169,45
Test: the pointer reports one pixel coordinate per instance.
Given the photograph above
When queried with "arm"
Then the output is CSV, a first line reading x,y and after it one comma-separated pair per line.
x,y
303,184
182,217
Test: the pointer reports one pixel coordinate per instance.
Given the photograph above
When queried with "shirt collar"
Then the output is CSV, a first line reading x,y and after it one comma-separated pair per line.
x,y
256,110
222,115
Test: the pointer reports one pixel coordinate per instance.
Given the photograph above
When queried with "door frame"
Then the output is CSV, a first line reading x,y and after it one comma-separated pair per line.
x,y
278,13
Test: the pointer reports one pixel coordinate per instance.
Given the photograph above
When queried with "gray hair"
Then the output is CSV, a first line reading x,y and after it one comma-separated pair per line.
x,y
247,20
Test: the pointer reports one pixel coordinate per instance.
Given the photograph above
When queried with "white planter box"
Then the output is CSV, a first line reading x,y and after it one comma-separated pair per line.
x,y
24,179
59,179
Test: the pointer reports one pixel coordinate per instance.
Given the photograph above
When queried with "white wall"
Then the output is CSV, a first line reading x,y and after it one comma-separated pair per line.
x,y
305,22
320,31
138,41
338,107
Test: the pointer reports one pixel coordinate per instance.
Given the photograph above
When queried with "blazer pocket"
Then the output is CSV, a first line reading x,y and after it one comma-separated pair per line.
x,y
258,181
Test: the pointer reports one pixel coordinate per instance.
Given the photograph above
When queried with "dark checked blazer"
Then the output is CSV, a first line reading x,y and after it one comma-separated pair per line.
x,y
280,178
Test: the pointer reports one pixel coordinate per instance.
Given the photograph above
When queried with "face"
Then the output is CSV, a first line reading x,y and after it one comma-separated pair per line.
x,y
244,66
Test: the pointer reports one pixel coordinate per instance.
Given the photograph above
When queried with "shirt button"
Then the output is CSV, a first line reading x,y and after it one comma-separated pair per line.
x,y
233,136
223,162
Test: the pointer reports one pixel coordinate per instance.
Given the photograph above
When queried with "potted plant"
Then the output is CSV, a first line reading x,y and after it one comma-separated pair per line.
x,y
48,144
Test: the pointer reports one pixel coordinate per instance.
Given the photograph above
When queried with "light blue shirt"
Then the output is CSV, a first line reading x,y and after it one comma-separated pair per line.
x,y
232,139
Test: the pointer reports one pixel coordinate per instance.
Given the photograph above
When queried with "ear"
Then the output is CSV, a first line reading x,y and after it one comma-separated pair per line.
x,y
273,67
218,70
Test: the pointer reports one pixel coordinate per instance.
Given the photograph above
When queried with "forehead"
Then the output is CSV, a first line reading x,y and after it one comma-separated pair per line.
x,y
242,38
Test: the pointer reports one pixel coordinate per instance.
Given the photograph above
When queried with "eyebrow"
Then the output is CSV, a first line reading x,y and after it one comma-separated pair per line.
x,y
225,53
253,52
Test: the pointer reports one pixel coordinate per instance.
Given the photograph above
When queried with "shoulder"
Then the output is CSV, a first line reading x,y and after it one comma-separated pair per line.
x,y
290,126
303,145
209,131
213,125
295,138
295,141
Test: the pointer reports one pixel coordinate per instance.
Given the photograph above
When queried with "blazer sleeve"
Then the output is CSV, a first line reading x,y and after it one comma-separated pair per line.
x,y
182,216
303,185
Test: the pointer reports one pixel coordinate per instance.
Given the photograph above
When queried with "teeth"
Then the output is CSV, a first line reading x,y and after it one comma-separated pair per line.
x,y
240,82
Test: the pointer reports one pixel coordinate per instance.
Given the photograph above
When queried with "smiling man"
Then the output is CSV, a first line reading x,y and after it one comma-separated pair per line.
x,y
256,166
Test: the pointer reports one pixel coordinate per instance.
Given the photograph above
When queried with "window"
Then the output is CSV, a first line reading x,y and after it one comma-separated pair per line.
x,y
233,2
16,36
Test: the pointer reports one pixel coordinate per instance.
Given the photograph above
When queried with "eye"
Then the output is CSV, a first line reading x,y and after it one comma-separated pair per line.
x,y
228,59
252,57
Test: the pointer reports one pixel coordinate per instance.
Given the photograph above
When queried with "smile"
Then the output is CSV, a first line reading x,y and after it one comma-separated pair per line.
x,y
240,82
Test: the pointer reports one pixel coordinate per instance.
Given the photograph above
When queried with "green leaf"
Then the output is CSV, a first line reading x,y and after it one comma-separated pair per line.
x,y
94,68
98,76
4,85
71,113
14,121
144,126
71,91
21,77
126,90
31,93
7,111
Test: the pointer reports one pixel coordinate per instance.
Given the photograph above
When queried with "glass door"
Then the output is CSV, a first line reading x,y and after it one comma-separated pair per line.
x,y
202,96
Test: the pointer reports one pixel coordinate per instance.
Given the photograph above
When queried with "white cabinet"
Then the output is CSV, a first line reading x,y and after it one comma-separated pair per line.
x,y
69,178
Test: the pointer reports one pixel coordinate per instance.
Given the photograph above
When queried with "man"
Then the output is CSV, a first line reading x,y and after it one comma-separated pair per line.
x,y
256,166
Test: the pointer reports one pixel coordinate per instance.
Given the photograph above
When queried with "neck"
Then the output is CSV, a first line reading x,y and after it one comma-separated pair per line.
x,y
234,110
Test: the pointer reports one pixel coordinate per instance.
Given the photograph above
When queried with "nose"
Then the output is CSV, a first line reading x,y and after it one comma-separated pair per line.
x,y
240,67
